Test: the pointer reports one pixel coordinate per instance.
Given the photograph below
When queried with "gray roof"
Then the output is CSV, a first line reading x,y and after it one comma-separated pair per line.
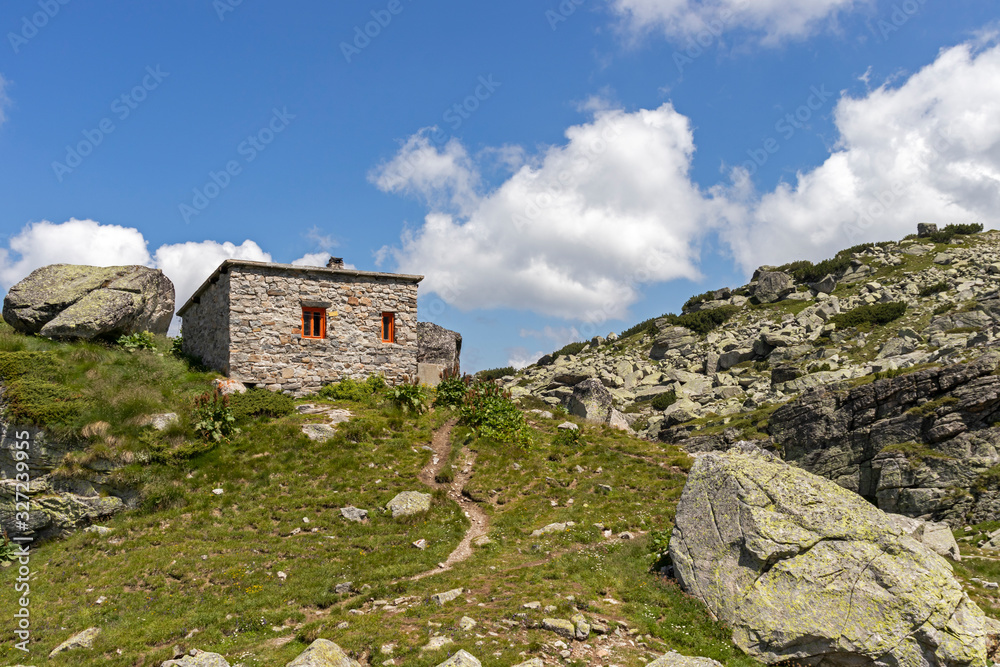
x,y
224,267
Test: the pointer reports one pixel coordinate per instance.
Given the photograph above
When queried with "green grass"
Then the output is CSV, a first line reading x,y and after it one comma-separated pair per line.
x,y
190,561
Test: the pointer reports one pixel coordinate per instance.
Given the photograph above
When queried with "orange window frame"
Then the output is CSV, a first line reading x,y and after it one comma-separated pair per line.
x,y
314,316
388,327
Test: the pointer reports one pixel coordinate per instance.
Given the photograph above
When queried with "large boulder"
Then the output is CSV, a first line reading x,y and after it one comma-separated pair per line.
x,y
323,653
70,301
592,401
773,286
437,345
671,338
804,570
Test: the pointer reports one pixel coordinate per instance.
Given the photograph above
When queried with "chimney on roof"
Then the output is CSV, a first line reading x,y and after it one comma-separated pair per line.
x,y
335,263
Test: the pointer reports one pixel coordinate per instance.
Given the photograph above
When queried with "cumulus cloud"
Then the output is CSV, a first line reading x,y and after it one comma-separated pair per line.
x,y
72,242
927,150
189,264
521,357
772,21
574,232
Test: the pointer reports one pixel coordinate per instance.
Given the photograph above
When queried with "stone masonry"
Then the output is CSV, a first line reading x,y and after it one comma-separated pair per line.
x,y
246,322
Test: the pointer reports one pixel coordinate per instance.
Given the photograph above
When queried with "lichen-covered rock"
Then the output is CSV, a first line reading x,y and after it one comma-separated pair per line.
x,y
677,660
671,338
592,401
80,640
560,626
409,502
71,301
773,286
323,653
805,570
199,659
437,345
461,659
935,536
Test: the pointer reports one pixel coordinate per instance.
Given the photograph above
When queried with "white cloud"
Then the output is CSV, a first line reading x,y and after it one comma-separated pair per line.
x,y
560,337
190,264
925,151
572,233
312,259
772,21
73,242
445,178
520,357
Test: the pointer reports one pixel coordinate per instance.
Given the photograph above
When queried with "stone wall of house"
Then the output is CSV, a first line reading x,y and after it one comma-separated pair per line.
x,y
206,326
265,328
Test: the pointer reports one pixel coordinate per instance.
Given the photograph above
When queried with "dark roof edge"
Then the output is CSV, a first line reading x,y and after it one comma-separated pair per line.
x,y
291,267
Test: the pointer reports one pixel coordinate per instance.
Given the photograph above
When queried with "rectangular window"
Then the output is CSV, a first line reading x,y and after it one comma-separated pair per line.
x,y
314,322
388,327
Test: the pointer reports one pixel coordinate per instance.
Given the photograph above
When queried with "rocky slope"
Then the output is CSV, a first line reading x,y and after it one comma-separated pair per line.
x,y
864,375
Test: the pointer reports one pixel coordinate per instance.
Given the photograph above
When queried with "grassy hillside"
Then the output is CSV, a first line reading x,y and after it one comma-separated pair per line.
x,y
252,573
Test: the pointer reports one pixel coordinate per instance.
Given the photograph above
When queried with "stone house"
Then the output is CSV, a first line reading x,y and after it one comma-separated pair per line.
x,y
296,328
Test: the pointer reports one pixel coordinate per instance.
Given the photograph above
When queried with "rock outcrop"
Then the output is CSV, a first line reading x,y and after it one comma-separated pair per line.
x,y
773,286
437,345
68,301
920,444
805,570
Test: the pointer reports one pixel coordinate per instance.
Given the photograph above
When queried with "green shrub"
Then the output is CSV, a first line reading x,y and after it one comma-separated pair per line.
x,y
177,347
664,400
408,397
213,418
16,364
569,350
489,410
40,403
451,392
494,374
951,231
878,314
943,308
645,327
140,340
703,321
568,437
350,389
936,288
700,298
260,403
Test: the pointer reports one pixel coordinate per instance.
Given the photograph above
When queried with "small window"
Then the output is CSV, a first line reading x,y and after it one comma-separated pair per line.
x,y
314,322
388,327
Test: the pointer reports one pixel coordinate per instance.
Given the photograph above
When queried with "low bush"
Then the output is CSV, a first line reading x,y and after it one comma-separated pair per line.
x,y
569,350
489,410
494,374
664,400
951,231
408,397
645,327
213,418
878,314
40,403
936,288
700,298
257,403
703,321
450,392
140,340
350,389
568,437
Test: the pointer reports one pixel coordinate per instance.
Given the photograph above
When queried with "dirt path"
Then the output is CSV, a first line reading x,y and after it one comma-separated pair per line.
x,y
479,521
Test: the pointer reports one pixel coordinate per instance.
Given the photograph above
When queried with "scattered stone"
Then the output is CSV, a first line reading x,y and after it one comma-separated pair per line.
x,y
441,598
218,492
531,605
197,658
604,488
408,503
159,422
80,640
229,387
534,662
323,653
344,588
673,659
466,623
99,530
568,426
461,659
436,642
581,626
420,544
560,626
319,432
626,536
551,528
354,514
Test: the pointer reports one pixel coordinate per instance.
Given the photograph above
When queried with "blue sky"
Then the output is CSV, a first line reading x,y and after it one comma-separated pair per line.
x,y
594,163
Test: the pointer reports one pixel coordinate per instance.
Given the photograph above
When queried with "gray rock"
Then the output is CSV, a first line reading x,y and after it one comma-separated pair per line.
x,y
352,513
677,660
323,653
159,422
319,432
461,659
68,301
826,285
437,345
551,528
560,626
935,536
729,359
805,570
773,286
343,588
671,338
98,530
80,640
466,623
197,659
228,387
534,662
408,503
925,229
592,401
568,426
441,598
